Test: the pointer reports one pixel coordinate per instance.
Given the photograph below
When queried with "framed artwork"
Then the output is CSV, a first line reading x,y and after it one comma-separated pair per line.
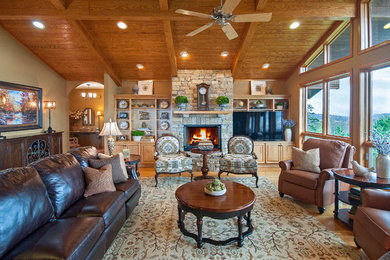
x,y
258,87
145,87
122,138
123,115
20,107
144,115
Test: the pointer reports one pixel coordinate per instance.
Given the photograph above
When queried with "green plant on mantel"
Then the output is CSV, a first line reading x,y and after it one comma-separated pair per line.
x,y
181,100
137,133
222,100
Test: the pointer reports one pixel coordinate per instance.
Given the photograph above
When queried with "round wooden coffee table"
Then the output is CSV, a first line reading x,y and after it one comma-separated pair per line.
x,y
238,201
205,168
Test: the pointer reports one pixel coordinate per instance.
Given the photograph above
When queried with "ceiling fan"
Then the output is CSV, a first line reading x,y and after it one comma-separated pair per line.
x,y
222,15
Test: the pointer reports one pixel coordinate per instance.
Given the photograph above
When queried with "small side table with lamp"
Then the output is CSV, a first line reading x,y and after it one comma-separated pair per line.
x,y
49,105
110,129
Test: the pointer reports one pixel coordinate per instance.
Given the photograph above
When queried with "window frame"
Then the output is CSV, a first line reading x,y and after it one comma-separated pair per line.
x,y
324,47
325,108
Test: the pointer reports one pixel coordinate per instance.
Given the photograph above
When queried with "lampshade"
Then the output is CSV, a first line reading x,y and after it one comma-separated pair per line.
x,y
49,104
98,113
110,129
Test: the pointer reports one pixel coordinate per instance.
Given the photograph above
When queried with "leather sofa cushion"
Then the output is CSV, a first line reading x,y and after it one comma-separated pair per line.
x,y
106,205
331,152
24,205
129,187
377,223
83,154
63,178
302,178
71,238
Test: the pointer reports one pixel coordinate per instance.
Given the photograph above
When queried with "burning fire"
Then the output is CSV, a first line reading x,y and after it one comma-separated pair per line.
x,y
203,134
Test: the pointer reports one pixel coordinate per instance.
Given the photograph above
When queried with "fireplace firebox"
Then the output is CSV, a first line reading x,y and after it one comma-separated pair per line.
x,y
195,133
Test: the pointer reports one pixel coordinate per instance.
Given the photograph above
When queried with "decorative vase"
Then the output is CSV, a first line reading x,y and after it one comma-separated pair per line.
x,y
222,107
137,138
383,166
182,106
287,134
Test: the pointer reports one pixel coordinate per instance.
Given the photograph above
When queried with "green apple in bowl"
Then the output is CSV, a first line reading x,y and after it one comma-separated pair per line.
x,y
215,188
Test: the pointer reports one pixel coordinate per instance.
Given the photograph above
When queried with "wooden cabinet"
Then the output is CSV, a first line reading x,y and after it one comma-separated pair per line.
x,y
273,152
147,154
145,149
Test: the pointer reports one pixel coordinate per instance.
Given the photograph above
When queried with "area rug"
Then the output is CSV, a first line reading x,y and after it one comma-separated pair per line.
x,y
283,229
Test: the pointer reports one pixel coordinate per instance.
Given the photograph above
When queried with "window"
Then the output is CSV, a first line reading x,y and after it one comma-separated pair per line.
x,y
375,23
337,46
327,107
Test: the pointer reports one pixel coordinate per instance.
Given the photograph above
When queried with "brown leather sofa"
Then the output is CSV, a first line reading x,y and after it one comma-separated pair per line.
x,y
311,187
371,225
44,215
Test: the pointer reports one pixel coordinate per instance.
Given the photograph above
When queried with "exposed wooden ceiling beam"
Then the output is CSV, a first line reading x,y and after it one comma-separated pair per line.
x,y
260,4
249,32
61,4
94,47
171,47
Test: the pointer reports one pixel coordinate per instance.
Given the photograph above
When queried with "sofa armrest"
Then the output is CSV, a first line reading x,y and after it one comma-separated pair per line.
x,y
286,165
132,172
378,199
326,174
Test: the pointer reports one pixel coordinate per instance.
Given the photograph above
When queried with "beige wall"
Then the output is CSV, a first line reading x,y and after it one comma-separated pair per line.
x,y
354,64
19,65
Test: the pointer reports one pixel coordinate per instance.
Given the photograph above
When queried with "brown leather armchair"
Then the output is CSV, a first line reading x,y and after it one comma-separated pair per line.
x,y
371,225
316,188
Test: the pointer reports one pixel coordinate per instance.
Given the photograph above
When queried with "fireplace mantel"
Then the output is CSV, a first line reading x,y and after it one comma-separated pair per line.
x,y
198,112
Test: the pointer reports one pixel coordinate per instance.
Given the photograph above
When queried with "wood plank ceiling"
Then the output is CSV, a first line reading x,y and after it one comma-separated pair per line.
x,y
81,39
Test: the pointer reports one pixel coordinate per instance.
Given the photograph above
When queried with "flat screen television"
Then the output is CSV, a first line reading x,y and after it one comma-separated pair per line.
x,y
260,126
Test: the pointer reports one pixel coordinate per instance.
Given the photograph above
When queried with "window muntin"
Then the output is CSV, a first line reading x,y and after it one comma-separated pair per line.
x,y
339,95
341,45
379,21
314,108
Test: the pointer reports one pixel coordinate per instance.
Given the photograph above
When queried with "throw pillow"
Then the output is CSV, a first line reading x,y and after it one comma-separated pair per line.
x,y
122,161
119,173
98,180
306,160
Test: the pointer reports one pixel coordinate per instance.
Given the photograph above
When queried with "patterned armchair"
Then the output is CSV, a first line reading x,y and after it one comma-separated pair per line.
x,y
240,158
169,159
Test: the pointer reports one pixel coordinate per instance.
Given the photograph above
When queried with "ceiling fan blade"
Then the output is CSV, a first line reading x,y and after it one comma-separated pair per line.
x,y
229,6
200,29
191,13
229,31
260,17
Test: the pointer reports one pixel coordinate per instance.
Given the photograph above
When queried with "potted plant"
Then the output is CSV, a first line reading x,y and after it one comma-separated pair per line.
x,y
288,124
382,145
137,135
181,101
259,103
222,101
279,105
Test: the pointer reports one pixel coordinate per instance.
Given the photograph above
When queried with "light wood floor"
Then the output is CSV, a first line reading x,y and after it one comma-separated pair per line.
x,y
272,173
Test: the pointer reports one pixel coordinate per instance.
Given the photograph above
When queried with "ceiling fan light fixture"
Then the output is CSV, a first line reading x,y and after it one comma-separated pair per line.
x,y
265,66
38,24
140,66
294,25
184,54
121,25
224,53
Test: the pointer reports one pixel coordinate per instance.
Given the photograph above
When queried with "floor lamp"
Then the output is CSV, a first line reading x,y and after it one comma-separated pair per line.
x,y
110,129
49,105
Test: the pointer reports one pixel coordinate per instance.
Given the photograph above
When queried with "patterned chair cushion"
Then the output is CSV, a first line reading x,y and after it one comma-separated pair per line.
x,y
167,145
238,163
240,145
173,163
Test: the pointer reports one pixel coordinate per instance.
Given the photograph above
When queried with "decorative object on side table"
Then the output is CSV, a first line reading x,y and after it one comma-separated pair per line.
x,y
215,188
110,129
137,135
222,101
359,170
205,145
126,154
381,142
181,101
49,105
288,124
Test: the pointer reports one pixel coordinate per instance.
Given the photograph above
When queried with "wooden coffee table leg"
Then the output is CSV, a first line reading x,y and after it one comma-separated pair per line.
x,y
199,223
180,222
240,237
249,220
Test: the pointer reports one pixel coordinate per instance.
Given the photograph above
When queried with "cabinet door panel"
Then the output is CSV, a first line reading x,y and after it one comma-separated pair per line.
x,y
286,152
272,153
147,153
259,151
134,148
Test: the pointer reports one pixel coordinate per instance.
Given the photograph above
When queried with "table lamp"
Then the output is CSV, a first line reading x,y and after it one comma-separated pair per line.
x,y
49,105
110,129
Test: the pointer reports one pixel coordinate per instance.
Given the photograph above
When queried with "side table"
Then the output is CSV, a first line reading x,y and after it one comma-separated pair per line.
x,y
205,168
134,160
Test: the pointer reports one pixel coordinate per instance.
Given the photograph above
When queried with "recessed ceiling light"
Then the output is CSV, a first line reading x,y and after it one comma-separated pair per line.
x,y
140,66
265,66
224,53
121,25
184,54
387,26
294,25
38,24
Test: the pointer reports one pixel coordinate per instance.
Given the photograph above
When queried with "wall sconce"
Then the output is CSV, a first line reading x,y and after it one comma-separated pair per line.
x,y
49,105
99,114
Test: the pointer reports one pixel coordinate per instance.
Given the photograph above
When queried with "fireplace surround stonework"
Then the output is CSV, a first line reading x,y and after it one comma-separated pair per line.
x,y
221,84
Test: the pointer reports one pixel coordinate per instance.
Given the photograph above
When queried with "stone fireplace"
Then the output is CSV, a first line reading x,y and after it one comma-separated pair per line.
x,y
194,133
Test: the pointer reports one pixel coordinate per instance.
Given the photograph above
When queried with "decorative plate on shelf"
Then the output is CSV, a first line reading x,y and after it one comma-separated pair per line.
x,y
164,125
164,104
123,125
123,104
